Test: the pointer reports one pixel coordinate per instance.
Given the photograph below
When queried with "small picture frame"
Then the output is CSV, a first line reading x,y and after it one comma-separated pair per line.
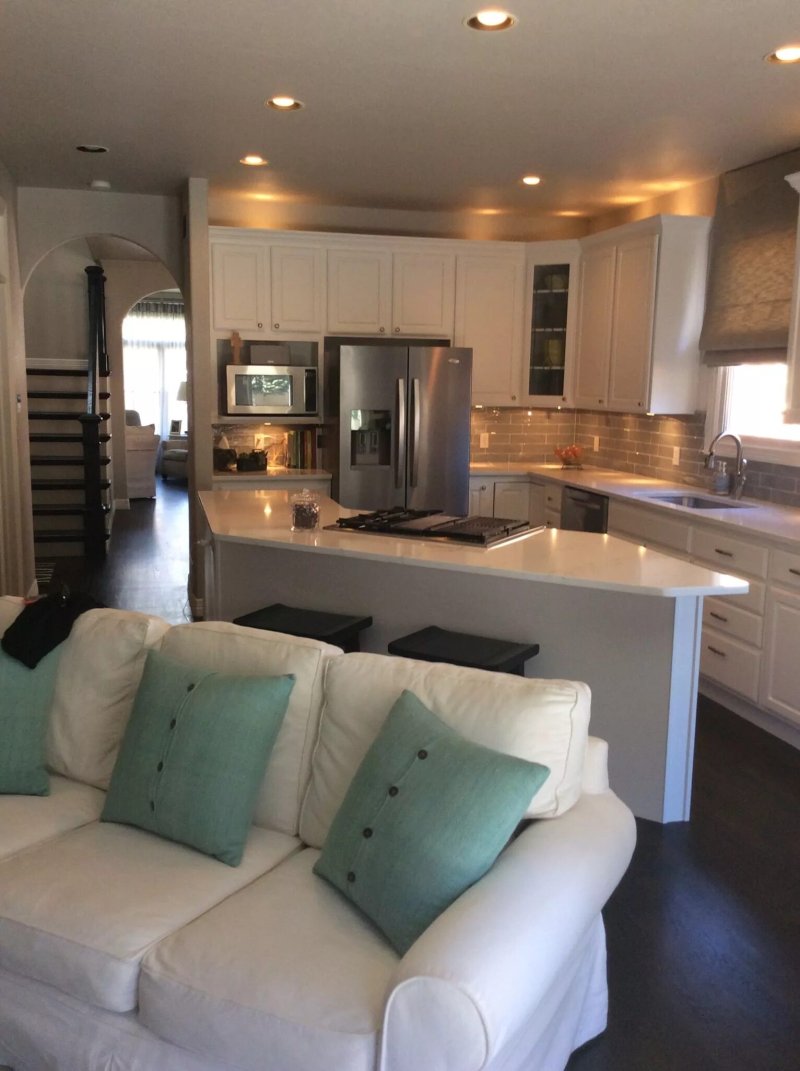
x,y
175,427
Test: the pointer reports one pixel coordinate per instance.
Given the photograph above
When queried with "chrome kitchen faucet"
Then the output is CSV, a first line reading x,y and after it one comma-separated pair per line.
x,y
737,479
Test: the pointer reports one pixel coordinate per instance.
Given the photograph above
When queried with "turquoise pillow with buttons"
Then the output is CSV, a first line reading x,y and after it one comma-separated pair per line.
x,y
425,817
194,753
26,696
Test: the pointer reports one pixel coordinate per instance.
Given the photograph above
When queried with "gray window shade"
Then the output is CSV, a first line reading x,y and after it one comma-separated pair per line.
x,y
751,265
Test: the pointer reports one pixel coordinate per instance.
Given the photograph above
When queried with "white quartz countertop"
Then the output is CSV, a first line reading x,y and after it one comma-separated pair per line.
x,y
781,523
550,556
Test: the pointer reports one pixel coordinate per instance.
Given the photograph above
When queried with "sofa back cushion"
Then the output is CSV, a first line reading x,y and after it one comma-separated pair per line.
x,y
234,649
99,672
544,721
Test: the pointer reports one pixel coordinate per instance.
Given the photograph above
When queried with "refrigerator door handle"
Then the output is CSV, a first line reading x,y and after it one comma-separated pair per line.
x,y
416,403
399,433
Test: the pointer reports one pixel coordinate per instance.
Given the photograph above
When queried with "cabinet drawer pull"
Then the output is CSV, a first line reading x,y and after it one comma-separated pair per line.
x,y
276,326
719,617
725,553
716,651
794,572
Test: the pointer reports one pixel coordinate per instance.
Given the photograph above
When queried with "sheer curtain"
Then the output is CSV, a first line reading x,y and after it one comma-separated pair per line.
x,y
154,359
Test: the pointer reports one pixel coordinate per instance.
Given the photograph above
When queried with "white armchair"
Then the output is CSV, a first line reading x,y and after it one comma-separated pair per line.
x,y
141,450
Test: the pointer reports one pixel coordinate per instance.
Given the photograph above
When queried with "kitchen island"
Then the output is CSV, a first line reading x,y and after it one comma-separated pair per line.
x,y
622,618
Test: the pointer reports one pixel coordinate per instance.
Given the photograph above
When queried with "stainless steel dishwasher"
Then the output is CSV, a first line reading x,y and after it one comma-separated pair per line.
x,y
583,511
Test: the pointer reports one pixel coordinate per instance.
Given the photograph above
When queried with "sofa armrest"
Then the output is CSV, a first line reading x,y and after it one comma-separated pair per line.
x,y
474,978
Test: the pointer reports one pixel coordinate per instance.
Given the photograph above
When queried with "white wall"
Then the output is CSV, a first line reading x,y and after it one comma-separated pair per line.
x,y
16,525
49,218
56,304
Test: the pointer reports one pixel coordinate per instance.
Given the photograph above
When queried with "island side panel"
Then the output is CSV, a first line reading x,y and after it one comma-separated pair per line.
x,y
623,646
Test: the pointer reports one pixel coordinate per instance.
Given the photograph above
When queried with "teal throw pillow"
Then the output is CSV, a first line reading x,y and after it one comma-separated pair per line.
x,y
194,754
25,699
425,817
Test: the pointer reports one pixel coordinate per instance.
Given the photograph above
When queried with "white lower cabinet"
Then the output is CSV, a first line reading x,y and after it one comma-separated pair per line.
x,y
649,527
512,499
552,505
730,663
780,678
537,508
481,496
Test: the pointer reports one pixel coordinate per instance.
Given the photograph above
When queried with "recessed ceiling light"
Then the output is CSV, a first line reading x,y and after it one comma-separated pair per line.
x,y
284,104
531,180
91,148
784,54
491,19
254,160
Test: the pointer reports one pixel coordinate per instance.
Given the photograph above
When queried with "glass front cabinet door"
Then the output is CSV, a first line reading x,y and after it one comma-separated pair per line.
x,y
552,304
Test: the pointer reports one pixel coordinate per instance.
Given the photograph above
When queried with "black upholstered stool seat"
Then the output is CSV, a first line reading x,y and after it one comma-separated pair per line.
x,y
339,629
434,644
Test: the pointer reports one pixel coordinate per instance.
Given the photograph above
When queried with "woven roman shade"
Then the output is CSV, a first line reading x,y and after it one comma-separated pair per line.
x,y
751,264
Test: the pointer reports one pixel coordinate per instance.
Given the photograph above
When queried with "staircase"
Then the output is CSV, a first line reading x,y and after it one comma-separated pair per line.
x,y
69,462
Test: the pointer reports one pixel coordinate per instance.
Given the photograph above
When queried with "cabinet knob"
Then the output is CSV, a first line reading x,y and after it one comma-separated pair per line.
x,y
599,401
483,487
513,397
397,330
382,330
276,326
260,325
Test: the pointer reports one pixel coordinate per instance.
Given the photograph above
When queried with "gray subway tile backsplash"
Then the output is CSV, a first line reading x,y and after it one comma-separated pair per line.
x,y
637,444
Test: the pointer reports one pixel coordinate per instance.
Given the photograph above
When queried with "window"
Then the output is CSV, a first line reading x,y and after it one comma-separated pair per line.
x,y
750,401
154,359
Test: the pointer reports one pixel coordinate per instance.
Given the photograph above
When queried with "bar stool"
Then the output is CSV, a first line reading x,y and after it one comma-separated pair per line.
x,y
434,644
341,630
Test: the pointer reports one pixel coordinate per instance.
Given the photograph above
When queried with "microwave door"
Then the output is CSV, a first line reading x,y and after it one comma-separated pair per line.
x,y
372,432
440,381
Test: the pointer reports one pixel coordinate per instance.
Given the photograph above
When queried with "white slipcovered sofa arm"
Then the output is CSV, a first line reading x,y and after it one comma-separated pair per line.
x,y
478,974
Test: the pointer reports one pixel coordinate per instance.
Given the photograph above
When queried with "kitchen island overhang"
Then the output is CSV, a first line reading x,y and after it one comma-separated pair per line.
x,y
622,618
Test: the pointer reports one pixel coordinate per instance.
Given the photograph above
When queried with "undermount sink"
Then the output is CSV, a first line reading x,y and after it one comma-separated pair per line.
x,y
697,502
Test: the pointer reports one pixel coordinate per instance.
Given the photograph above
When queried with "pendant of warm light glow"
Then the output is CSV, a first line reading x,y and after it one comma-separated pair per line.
x,y
254,160
531,180
784,54
491,19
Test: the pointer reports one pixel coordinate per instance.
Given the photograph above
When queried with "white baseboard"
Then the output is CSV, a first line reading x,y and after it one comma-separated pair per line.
x,y
770,723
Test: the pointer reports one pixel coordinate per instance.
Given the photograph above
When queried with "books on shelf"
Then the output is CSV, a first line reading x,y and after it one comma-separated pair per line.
x,y
300,449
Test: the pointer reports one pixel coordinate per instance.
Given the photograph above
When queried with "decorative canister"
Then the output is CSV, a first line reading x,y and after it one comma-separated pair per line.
x,y
305,511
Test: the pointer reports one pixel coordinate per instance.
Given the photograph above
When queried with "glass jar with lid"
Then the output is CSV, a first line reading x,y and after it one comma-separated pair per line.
x,y
305,511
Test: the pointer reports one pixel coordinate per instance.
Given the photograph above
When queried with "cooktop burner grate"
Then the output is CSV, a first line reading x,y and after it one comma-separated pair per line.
x,y
433,524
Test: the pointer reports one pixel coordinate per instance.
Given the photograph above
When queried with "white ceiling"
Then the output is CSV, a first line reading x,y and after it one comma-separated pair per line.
x,y
611,101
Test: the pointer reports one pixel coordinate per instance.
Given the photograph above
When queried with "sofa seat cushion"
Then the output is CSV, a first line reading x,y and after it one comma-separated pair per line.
x,y
80,912
226,648
544,721
29,820
284,974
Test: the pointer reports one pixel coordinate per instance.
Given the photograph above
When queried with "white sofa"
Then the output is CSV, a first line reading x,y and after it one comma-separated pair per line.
x,y
121,951
141,452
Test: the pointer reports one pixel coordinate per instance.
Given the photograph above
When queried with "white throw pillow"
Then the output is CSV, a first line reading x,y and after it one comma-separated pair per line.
x,y
544,721
98,675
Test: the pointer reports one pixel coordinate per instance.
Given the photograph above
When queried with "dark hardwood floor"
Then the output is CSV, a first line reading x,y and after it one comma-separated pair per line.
x,y
147,564
704,930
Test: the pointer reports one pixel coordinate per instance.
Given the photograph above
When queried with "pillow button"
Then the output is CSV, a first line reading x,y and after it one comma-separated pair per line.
x,y
173,723
351,877
367,833
422,754
160,767
393,790
152,805
189,687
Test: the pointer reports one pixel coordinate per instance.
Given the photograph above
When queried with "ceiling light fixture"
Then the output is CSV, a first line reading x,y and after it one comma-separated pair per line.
x,y
531,180
284,104
254,160
91,148
784,54
491,19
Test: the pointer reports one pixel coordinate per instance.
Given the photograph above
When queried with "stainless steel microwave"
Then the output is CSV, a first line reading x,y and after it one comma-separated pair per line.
x,y
271,390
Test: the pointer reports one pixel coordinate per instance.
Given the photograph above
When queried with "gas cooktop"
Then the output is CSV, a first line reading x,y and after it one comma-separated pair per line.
x,y
433,524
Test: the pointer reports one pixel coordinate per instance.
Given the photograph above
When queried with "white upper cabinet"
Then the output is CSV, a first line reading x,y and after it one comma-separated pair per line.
x,y
240,286
296,288
423,294
489,319
550,318
359,292
640,311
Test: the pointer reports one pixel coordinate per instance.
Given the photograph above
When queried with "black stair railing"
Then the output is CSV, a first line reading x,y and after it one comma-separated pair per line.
x,y
94,518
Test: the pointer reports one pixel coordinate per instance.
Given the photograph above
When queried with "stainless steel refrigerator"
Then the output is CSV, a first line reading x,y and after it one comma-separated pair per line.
x,y
398,421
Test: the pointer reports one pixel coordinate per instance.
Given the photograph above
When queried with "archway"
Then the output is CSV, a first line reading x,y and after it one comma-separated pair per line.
x,y
56,331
